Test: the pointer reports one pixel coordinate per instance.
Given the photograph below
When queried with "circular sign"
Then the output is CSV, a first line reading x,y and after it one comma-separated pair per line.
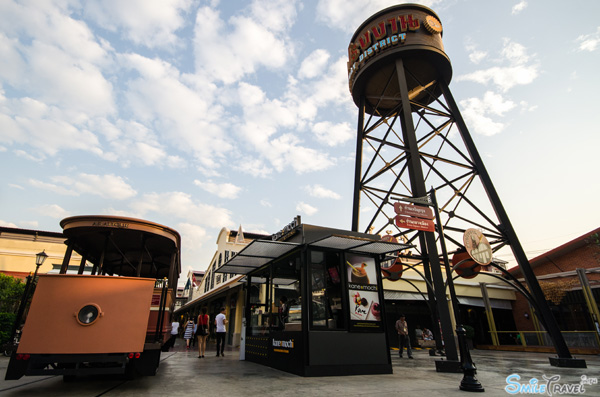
x,y
432,25
464,266
391,269
477,246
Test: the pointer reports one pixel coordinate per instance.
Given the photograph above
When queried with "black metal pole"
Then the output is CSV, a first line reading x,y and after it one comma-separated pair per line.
x,y
469,381
426,239
564,356
358,164
22,306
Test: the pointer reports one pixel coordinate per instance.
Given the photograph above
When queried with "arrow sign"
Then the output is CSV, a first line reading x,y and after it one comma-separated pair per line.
x,y
413,210
407,222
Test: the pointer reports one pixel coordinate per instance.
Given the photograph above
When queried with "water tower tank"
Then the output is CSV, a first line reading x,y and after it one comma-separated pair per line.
x,y
411,32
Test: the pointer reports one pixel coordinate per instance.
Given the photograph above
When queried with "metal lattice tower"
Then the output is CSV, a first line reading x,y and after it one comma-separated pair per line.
x,y
411,140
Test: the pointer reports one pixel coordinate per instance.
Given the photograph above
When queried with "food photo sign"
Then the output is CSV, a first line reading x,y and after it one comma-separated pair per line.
x,y
363,293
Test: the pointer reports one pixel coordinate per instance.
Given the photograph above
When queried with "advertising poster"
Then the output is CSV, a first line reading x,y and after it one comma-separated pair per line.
x,y
363,293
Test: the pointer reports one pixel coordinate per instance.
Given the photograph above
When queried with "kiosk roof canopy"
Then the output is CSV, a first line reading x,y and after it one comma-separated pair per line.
x,y
255,255
260,252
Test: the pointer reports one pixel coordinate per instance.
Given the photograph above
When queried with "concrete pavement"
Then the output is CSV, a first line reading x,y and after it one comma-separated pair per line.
x,y
182,373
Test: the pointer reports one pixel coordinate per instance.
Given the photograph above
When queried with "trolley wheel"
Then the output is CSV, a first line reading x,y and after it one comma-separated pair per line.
x,y
130,371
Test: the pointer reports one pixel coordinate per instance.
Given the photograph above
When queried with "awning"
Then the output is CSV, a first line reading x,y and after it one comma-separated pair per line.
x,y
494,303
359,245
403,296
255,255
260,252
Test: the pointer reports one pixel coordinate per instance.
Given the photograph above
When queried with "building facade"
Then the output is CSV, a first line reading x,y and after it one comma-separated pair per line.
x,y
569,276
216,290
18,248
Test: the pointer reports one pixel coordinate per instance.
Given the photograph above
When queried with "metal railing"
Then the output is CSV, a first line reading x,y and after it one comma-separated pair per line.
x,y
583,339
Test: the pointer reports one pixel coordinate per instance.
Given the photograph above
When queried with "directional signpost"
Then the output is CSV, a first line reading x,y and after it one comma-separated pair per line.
x,y
408,222
414,217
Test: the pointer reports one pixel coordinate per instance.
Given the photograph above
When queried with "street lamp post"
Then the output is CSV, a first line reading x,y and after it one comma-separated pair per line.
x,y
39,261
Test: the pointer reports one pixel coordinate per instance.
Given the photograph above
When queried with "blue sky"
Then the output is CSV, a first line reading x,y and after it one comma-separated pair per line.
x,y
205,114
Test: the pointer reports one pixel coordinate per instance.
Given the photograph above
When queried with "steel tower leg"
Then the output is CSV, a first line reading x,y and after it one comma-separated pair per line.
x,y
564,356
426,239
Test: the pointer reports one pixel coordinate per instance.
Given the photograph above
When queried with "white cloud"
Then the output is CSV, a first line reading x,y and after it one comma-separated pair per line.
x,y
7,224
106,186
321,192
263,118
517,72
477,113
179,106
253,166
181,206
288,152
222,190
306,209
55,56
47,129
477,56
30,224
151,23
314,64
53,211
193,238
589,42
504,77
333,134
517,8
347,15
230,50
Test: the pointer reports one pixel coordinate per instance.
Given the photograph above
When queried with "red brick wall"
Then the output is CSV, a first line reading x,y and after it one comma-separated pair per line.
x,y
587,256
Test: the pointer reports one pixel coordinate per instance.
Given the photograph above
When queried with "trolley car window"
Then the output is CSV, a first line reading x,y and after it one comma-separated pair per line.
x,y
88,314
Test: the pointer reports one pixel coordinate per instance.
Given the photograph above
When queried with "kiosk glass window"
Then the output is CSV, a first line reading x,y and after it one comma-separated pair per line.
x,y
275,298
326,291
259,303
287,308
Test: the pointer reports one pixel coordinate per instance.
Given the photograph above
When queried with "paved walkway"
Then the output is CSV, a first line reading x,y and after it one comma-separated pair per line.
x,y
182,374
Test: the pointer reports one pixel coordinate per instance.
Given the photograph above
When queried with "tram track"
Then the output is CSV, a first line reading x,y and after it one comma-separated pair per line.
x,y
105,392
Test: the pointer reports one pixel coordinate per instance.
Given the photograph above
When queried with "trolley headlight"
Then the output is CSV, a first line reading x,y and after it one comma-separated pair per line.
x,y
88,314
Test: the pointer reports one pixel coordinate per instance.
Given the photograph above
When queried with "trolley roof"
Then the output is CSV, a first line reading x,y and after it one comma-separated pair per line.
x,y
120,245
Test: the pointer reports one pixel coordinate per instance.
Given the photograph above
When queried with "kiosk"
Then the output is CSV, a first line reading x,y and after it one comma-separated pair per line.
x,y
314,301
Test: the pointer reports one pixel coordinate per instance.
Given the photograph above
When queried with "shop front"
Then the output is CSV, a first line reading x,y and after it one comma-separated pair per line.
x,y
314,301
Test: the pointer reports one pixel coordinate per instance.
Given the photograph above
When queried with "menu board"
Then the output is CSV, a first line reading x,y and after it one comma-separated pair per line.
x,y
363,293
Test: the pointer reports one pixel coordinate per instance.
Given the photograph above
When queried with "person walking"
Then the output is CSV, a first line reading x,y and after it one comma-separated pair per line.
x,y
220,322
188,332
174,333
403,337
194,333
202,332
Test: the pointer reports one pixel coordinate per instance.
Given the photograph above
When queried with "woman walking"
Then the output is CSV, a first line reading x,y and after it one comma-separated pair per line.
x,y
202,332
189,332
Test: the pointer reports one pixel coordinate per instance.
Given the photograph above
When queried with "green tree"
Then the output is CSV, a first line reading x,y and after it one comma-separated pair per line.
x,y
11,292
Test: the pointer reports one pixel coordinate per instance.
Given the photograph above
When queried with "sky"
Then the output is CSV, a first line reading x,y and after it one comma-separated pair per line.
x,y
200,115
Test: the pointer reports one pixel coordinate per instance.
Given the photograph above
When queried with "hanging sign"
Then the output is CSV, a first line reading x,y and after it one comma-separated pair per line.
x,y
413,210
407,222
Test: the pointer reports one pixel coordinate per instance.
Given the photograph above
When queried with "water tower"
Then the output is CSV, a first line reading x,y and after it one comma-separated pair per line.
x,y
411,136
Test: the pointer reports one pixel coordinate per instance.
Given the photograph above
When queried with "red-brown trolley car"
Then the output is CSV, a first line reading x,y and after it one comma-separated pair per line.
x,y
112,319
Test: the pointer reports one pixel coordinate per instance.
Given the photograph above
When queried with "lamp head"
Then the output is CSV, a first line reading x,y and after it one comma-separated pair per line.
x,y
40,258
